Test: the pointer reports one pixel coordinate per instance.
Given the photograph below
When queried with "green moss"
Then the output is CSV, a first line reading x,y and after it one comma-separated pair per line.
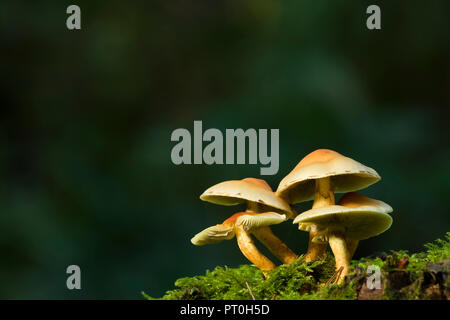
x,y
296,280
292,281
437,252
418,276
422,275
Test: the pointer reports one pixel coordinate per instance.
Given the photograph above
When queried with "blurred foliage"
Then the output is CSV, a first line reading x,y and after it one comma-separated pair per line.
x,y
87,115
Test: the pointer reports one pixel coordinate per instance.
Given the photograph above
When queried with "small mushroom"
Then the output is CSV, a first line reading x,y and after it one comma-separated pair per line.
x,y
355,218
318,176
259,198
242,224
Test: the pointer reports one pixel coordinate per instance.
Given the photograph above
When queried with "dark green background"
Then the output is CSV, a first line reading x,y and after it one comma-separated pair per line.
x,y
86,118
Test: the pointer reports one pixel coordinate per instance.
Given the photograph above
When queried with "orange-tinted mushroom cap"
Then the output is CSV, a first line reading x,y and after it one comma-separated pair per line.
x,y
346,175
247,190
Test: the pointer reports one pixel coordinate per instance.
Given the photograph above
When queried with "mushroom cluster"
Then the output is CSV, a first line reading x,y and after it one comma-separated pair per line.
x,y
318,176
263,209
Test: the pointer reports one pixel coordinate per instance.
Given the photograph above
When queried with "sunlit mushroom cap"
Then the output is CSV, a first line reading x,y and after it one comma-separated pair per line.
x,y
235,192
346,175
357,216
226,230
251,221
214,234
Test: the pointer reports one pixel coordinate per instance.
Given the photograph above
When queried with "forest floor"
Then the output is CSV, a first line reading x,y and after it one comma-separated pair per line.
x,y
422,275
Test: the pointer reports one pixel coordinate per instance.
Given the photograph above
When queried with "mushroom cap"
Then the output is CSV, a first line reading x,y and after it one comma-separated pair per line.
x,y
226,230
214,234
357,216
233,192
258,220
346,175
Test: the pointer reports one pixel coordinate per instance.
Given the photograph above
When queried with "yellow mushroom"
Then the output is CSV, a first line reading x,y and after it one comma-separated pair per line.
x,y
242,225
355,218
259,198
317,177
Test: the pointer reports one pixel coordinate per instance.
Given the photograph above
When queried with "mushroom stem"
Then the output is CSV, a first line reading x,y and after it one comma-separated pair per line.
x,y
252,207
278,248
315,250
341,253
250,251
351,246
265,235
323,197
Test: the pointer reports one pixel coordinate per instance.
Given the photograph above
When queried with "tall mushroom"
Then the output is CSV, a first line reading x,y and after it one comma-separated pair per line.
x,y
355,218
318,176
259,198
242,224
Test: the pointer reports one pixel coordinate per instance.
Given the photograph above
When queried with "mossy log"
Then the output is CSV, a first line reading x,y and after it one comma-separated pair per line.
x,y
401,276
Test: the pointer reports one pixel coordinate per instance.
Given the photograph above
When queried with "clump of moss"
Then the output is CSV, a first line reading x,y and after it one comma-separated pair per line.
x,y
285,282
421,275
221,283
293,281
